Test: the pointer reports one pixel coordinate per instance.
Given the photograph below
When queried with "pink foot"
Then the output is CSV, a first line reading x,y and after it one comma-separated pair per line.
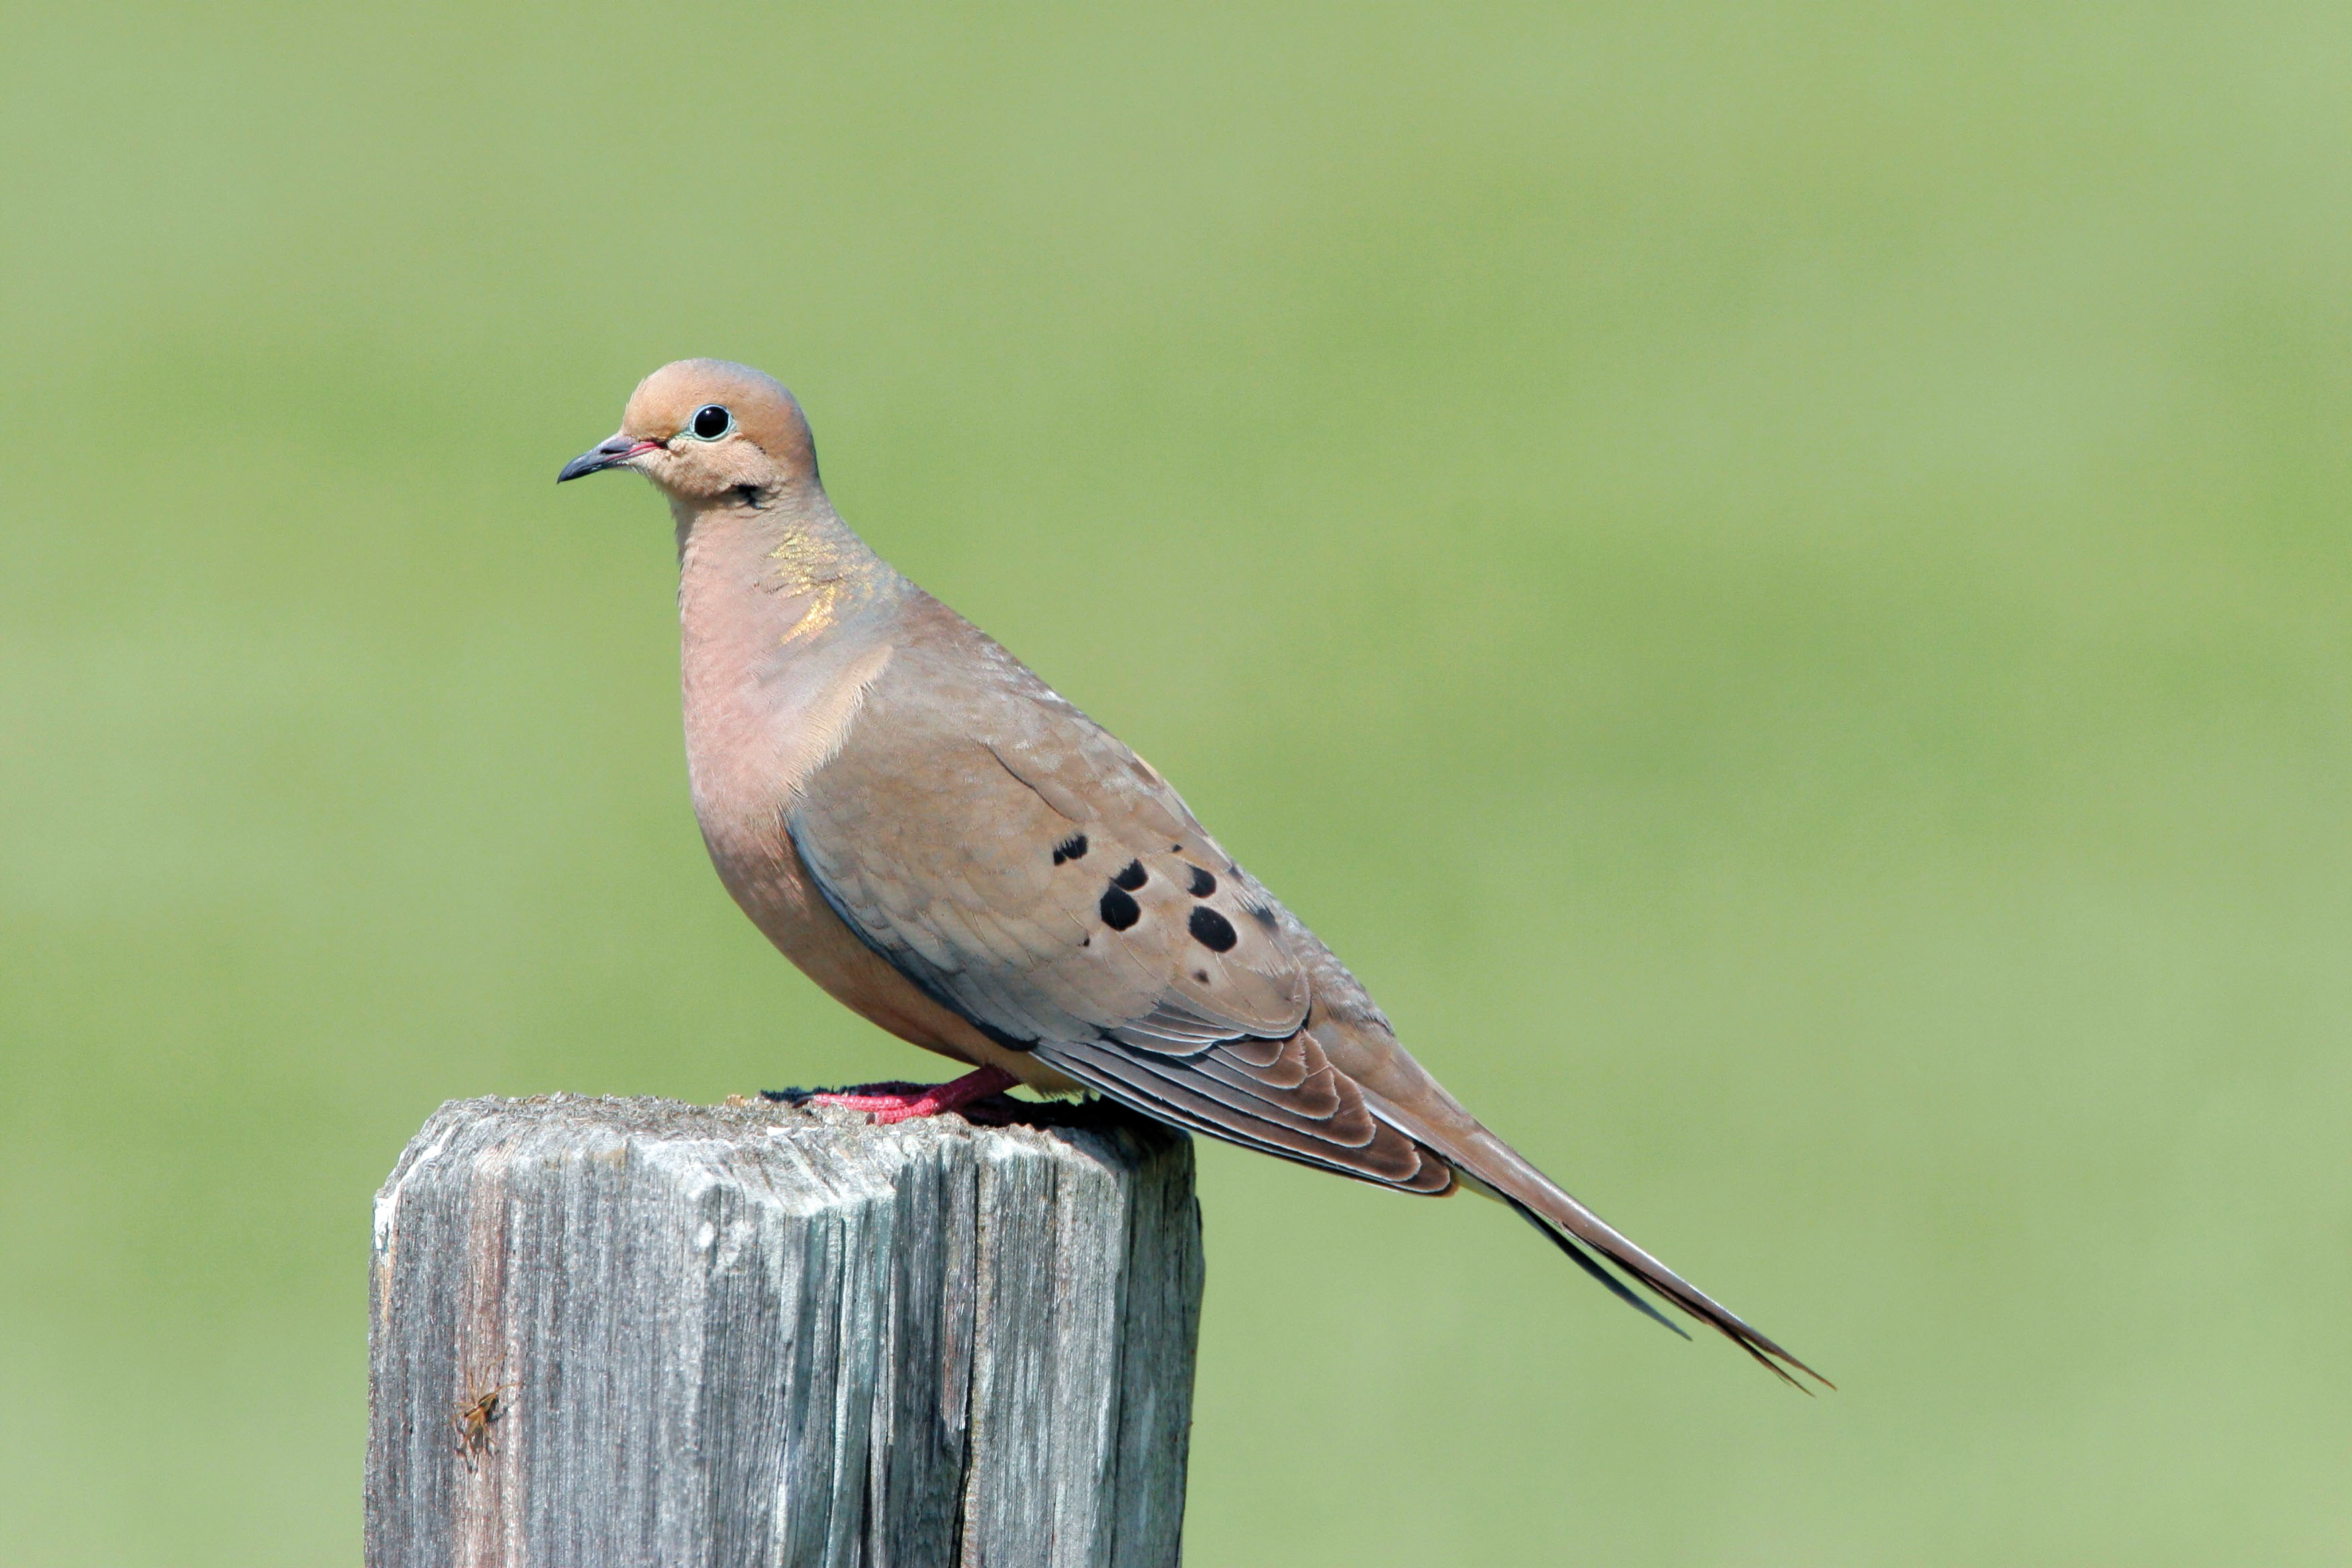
x,y
906,1101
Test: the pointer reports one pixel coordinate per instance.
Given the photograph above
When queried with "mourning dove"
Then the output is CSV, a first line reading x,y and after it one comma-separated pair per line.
x,y
952,850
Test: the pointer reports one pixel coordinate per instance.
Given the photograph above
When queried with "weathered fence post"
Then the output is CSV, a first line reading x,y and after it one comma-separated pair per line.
x,y
610,1332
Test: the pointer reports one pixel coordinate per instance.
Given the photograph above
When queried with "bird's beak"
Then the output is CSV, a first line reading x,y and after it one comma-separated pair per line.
x,y
614,452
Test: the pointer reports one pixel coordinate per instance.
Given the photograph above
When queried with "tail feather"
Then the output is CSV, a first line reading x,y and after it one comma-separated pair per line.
x,y
1486,1161
1535,1194
1585,1260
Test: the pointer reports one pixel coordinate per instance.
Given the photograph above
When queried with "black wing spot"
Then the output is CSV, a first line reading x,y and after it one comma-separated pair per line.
x,y
1202,975
1119,911
1131,876
1212,930
1074,847
1263,916
1203,884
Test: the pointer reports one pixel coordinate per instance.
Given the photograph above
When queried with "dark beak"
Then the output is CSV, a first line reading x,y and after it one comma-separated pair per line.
x,y
611,453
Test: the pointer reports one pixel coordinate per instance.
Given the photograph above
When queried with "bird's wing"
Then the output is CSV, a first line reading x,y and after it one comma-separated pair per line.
x,y
1028,870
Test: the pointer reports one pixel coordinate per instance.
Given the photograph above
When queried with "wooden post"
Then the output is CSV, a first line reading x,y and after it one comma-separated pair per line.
x,y
609,1332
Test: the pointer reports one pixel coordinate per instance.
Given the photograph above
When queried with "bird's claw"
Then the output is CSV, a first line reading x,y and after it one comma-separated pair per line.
x,y
897,1101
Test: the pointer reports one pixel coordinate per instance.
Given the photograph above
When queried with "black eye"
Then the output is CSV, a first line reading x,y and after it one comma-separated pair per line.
x,y
712,422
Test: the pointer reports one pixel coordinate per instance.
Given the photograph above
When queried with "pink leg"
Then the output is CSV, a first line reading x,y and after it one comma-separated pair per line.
x,y
905,1102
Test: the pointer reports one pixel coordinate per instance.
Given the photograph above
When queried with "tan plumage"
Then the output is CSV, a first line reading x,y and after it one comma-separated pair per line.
x,y
949,847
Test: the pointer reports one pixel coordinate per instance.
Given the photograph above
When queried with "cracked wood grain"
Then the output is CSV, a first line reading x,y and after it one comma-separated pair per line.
x,y
630,1331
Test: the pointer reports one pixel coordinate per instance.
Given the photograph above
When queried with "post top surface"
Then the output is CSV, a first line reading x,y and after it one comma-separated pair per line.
x,y
645,1116
812,1152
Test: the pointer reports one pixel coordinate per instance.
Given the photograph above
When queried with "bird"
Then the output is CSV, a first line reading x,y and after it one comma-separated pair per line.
x,y
952,850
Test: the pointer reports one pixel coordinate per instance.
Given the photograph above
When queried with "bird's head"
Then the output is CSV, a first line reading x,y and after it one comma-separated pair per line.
x,y
709,433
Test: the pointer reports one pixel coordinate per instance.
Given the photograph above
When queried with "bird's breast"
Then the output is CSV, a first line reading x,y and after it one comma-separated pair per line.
x,y
762,716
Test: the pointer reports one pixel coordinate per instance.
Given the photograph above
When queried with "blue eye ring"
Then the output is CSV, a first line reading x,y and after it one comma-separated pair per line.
x,y
710,422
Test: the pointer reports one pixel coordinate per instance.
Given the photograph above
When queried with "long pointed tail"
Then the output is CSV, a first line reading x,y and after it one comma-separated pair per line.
x,y
1486,1161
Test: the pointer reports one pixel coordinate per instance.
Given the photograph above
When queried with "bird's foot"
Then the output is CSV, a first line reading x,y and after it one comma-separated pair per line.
x,y
889,1102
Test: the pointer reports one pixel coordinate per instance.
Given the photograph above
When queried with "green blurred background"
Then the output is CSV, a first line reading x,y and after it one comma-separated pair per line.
x,y
1774,578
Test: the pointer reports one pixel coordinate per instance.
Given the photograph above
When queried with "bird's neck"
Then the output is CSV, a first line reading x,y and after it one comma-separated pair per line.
x,y
784,617
777,577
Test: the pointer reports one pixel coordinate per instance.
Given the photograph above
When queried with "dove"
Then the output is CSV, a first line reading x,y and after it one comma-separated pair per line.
x,y
950,849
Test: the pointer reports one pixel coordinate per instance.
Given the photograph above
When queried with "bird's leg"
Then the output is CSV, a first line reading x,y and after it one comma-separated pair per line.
x,y
906,1101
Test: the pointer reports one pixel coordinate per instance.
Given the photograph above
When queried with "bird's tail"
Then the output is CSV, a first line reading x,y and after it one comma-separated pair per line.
x,y
1487,1162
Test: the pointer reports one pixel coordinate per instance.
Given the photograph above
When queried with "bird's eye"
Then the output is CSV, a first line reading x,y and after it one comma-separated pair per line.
x,y
712,422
